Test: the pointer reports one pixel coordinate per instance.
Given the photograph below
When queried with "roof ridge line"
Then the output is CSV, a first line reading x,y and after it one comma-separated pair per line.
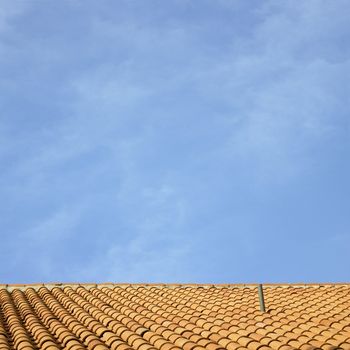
x,y
169,285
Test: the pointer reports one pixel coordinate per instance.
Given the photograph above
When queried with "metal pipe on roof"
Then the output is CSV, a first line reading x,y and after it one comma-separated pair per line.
x,y
261,298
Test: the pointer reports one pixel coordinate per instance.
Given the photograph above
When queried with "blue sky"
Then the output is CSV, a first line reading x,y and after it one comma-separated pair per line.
x,y
174,141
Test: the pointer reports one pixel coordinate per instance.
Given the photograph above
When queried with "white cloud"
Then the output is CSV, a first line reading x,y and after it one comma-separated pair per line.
x,y
275,91
283,102
284,97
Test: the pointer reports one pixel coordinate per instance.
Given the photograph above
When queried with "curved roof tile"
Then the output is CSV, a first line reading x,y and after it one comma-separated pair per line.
x,y
172,317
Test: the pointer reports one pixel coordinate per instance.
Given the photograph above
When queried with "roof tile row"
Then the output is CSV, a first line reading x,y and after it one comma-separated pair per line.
x,y
101,317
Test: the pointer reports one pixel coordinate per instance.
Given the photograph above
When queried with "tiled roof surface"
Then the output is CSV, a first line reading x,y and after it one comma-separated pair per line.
x,y
169,317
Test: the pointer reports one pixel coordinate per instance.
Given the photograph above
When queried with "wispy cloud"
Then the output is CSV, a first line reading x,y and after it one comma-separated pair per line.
x,y
43,246
168,141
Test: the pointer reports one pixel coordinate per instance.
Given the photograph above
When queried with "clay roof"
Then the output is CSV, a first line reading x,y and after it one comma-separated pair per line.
x,y
169,317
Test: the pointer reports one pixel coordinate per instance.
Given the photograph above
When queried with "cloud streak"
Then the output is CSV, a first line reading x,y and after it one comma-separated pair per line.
x,y
177,142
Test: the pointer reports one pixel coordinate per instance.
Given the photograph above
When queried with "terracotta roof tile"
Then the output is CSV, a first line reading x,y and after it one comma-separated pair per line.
x,y
169,317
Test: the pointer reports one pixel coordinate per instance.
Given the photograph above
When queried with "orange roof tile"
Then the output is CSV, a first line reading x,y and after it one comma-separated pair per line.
x,y
170,317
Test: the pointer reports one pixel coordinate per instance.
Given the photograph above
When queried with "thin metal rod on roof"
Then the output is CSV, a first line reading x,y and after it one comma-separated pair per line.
x,y
261,298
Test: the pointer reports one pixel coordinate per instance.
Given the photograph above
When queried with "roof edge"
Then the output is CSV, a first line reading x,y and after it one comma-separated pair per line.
x,y
51,285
